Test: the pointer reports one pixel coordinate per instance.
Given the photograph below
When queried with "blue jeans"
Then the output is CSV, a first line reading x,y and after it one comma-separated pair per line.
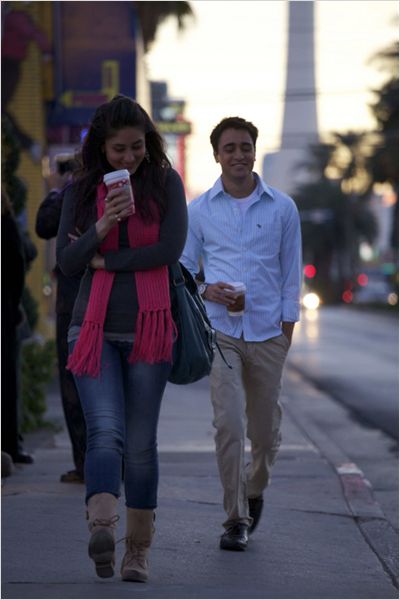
x,y
121,409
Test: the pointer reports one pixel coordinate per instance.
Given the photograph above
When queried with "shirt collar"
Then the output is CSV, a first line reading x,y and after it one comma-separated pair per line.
x,y
262,188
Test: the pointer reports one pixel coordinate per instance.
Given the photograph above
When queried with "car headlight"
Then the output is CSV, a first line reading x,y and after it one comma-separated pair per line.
x,y
311,301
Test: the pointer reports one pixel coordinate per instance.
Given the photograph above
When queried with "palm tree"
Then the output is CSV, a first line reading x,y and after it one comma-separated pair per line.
x,y
349,159
334,218
384,162
152,14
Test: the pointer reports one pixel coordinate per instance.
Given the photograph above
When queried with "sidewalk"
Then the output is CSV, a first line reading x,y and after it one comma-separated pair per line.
x,y
322,534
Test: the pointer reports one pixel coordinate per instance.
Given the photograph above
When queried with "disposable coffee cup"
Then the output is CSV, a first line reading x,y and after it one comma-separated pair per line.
x,y
119,179
237,309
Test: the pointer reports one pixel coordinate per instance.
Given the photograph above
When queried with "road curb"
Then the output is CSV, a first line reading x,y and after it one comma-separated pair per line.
x,y
357,490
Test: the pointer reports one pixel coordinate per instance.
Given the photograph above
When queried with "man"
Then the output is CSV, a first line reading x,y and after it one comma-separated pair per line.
x,y
47,222
243,230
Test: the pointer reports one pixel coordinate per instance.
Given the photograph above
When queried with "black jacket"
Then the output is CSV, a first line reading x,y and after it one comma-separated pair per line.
x,y
47,222
13,271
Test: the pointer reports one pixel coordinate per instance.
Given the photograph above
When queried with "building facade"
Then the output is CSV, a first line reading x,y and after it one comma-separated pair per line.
x,y
60,60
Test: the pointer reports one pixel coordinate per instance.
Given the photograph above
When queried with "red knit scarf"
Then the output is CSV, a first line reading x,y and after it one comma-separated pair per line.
x,y
155,328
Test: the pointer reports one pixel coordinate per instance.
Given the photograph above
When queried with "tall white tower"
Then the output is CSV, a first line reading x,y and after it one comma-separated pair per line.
x,y
300,125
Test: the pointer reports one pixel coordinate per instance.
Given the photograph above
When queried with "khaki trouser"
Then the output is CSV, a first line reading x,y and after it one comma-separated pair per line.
x,y
245,402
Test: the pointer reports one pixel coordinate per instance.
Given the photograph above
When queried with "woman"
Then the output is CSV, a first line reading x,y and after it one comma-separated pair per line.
x,y
121,332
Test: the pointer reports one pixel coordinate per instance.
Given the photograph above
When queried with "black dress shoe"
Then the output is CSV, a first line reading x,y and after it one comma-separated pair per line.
x,y
23,457
255,509
235,537
72,477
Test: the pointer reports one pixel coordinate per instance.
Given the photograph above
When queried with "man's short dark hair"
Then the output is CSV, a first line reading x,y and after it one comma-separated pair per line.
x,y
232,123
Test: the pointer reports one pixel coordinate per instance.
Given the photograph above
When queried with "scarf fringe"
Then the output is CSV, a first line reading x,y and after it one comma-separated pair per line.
x,y
86,355
149,346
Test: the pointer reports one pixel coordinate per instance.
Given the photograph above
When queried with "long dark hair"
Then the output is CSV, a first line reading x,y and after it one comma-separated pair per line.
x,y
148,181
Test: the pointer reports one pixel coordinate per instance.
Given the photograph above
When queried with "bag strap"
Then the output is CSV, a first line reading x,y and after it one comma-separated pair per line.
x,y
177,277
222,356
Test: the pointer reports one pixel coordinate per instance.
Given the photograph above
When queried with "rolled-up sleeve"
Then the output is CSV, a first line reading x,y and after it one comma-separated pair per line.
x,y
291,265
193,248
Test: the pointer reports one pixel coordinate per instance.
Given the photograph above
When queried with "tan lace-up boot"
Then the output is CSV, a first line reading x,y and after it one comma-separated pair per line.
x,y
139,534
102,519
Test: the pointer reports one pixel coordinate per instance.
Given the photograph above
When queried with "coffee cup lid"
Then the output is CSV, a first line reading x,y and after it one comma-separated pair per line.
x,y
238,285
116,175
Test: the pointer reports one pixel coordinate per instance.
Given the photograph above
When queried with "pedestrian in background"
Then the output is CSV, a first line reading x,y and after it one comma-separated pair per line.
x,y
121,333
13,281
242,230
47,223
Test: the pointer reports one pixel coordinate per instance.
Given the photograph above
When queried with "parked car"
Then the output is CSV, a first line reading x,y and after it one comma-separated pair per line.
x,y
375,288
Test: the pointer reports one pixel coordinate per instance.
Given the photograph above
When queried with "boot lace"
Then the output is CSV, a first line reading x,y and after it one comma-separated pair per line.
x,y
135,552
105,522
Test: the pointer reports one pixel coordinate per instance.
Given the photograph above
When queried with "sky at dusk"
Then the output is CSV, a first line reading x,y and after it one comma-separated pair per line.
x,y
231,61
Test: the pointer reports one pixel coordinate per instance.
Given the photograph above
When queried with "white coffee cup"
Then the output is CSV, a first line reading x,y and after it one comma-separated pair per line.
x,y
237,309
119,179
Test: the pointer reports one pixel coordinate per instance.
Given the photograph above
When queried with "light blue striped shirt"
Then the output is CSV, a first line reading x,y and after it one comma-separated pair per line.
x,y
260,246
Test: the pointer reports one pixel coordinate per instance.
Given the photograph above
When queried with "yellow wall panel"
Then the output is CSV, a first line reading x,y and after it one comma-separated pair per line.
x,y
28,109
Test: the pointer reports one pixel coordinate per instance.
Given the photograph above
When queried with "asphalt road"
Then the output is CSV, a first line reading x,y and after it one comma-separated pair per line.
x,y
353,355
